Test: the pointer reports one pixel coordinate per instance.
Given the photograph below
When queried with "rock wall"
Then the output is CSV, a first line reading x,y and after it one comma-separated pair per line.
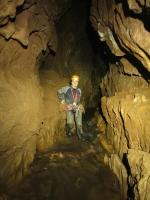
x,y
26,30
125,101
117,24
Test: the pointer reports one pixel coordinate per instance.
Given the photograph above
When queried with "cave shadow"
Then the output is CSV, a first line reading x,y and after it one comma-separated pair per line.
x,y
144,16
130,192
138,65
100,49
73,176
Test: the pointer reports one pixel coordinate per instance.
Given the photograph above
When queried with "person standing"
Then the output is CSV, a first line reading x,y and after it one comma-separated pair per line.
x,y
70,97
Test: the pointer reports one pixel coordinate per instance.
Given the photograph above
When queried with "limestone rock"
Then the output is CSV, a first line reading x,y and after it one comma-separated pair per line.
x,y
124,26
138,6
8,10
28,3
139,162
122,77
119,170
128,116
22,27
8,30
120,30
21,98
129,69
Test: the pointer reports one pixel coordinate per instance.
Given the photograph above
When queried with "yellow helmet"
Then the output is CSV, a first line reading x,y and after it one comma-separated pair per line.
x,y
75,77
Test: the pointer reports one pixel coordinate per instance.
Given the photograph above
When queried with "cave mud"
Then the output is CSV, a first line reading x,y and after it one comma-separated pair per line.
x,y
70,170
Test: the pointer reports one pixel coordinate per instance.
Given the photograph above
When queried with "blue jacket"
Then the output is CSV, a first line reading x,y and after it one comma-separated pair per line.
x,y
66,93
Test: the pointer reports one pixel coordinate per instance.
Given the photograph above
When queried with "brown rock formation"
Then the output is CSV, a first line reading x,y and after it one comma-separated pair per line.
x,y
138,6
125,87
139,166
119,170
120,30
26,30
30,118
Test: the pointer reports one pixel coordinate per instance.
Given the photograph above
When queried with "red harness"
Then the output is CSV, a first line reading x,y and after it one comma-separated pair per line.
x,y
74,95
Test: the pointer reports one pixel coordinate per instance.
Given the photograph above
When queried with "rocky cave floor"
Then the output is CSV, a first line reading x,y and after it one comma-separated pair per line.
x,y
71,170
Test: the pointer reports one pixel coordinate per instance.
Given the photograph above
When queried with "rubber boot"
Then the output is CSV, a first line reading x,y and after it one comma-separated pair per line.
x,y
68,130
80,133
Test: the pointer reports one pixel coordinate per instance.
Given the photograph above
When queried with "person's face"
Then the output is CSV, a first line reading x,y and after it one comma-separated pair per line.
x,y
74,83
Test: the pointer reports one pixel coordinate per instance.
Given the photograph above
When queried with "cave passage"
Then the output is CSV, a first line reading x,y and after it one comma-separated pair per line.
x,y
71,169
107,45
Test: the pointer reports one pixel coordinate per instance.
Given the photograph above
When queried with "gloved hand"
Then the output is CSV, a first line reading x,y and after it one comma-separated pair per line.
x,y
63,101
81,108
74,104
